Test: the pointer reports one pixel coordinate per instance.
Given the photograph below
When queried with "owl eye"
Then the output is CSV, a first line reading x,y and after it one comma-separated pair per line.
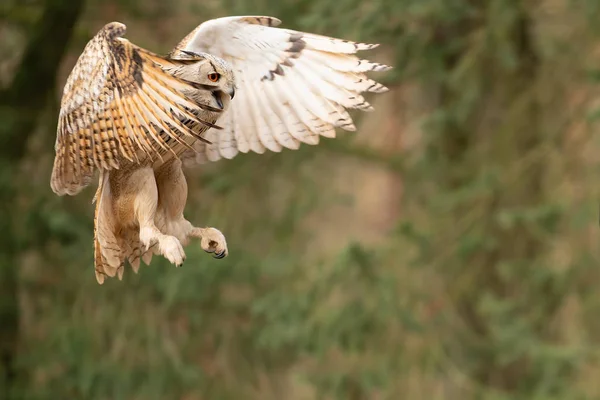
x,y
213,77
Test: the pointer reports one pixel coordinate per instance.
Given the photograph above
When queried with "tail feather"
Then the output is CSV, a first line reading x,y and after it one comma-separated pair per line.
x,y
134,251
99,260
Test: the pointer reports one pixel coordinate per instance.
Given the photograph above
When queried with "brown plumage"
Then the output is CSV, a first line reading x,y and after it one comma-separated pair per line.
x,y
120,104
131,113
137,117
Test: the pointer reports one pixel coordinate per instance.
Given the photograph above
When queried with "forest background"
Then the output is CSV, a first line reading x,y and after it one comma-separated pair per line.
x,y
447,250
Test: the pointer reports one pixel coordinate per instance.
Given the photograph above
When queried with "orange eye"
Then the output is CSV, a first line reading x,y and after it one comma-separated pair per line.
x,y
213,77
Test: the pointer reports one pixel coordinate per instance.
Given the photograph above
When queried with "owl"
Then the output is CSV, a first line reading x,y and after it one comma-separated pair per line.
x,y
140,118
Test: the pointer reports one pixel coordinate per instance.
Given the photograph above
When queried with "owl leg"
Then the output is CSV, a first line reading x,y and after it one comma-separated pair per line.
x,y
145,205
211,240
172,187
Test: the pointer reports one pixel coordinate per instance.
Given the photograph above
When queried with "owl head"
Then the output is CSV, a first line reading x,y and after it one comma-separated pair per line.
x,y
214,74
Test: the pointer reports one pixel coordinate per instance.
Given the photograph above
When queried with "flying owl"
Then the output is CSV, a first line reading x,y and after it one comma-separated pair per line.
x,y
139,118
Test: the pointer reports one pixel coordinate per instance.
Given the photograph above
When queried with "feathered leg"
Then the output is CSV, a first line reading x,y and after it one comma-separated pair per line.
x,y
172,189
142,185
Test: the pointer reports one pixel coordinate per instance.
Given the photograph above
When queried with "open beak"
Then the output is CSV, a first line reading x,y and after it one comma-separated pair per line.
x,y
217,96
231,93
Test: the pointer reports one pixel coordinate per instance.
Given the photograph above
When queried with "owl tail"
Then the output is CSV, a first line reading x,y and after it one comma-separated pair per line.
x,y
107,253
112,248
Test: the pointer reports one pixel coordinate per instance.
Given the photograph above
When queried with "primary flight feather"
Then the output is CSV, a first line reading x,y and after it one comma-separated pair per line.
x,y
137,116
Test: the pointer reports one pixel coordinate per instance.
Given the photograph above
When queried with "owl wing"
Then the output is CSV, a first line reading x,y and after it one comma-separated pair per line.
x,y
293,87
119,103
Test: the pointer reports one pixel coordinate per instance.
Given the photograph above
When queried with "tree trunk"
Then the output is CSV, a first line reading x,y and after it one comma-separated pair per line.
x,y
21,106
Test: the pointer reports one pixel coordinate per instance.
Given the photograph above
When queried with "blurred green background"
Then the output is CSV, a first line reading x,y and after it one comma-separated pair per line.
x,y
447,250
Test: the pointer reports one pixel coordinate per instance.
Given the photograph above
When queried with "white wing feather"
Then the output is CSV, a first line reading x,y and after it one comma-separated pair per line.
x,y
292,87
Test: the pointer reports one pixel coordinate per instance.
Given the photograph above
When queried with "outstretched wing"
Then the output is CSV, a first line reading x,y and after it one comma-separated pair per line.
x,y
293,87
118,103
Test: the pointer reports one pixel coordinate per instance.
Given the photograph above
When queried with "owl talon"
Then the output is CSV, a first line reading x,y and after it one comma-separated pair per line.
x,y
168,246
220,255
172,250
211,241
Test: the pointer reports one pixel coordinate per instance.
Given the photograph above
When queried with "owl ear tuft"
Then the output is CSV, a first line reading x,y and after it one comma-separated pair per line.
x,y
186,55
191,54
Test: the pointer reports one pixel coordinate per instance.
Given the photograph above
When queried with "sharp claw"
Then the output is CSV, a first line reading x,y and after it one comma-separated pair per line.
x,y
220,255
